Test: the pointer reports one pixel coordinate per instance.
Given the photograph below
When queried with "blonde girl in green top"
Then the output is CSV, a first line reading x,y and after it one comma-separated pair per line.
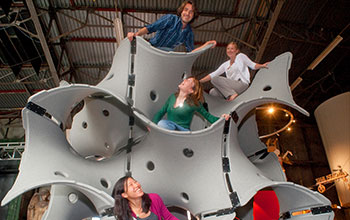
x,y
181,106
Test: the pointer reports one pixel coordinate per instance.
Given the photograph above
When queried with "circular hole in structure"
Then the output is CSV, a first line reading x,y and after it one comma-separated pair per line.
x,y
73,198
153,95
267,88
185,197
84,124
150,166
95,157
104,183
107,146
188,152
105,112
61,174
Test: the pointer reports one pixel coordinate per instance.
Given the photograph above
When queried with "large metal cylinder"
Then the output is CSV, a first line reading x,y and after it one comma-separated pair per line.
x,y
333,120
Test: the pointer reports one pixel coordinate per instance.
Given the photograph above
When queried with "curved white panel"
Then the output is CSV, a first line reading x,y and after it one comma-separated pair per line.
x,y
206,171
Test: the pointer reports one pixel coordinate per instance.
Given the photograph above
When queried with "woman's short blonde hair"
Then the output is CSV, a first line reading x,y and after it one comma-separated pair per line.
x,y
233,43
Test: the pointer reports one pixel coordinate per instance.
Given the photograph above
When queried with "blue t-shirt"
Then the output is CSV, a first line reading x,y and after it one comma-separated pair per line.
x,y
169,33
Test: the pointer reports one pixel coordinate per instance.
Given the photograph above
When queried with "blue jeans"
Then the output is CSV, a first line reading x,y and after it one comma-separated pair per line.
x,y
170,125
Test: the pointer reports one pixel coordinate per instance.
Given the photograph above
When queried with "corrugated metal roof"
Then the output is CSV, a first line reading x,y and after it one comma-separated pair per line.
x,y
87,53
92,76
93,31
13,100
92,47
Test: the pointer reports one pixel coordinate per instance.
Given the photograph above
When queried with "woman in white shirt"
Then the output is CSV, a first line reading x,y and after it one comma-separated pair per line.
x,y
237,74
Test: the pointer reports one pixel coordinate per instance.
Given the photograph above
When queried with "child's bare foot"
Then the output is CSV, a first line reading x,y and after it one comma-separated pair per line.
x,y
232,97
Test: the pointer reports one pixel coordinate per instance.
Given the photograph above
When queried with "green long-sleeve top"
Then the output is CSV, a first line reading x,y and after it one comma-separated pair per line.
x,y
182,115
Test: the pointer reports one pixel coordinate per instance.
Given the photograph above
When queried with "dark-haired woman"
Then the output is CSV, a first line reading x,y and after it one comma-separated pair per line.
x,y
181,106
132,203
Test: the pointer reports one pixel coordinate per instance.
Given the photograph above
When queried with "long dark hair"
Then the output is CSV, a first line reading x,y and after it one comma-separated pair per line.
x,y
121,205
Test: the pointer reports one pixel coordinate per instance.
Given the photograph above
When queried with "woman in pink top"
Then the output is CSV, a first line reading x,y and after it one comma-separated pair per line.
x,y
237,74
132,203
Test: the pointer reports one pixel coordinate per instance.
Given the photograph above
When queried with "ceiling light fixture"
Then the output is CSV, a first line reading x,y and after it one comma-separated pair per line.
x,y
270,110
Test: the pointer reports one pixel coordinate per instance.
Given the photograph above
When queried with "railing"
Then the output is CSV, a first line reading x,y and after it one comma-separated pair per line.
x,y
11,150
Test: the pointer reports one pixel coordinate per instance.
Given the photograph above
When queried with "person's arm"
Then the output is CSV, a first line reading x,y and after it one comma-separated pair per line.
x,y
251,64
217,72
159,115
163,211
205,79
140,32
259,66
161,23
209,117
225,116
213,42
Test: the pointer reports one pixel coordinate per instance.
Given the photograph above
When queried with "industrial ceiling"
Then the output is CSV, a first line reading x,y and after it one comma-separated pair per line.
x,y
45,41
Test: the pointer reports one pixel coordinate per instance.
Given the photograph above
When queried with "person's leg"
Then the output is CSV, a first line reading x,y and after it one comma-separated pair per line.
x,y
232,97
223,84
166,124
228,87
170,125
239,86
215,92
180,128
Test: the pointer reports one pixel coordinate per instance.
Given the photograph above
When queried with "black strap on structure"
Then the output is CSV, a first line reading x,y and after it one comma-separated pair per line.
x,y
226,164
42,112
321,210
227,126
234,200
131,76
131,138
130,101
262,152
108,212
36,108
315,211
233,194
220,212
131,84
133,45
225,159
234,116
235,203
226,169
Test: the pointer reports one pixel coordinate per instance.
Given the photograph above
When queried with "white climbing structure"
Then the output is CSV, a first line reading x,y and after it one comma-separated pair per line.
x,y
213,171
